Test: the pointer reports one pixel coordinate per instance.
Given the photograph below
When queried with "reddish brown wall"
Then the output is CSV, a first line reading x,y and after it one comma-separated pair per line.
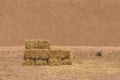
x,y
64,22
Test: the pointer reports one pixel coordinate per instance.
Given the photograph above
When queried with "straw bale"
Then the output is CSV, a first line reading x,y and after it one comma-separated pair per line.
x,y
29,62
36,53
54,62
60,53
37,44
41,62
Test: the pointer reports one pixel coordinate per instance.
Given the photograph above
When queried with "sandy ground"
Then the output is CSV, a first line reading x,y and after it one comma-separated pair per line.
x,y
89,68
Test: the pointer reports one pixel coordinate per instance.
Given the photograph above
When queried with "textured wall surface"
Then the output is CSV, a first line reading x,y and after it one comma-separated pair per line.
x,y
63,22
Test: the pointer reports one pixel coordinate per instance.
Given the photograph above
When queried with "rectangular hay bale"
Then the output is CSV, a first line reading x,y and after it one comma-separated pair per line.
x,y
36,53
54,61
40,62
43,44
37,44
60,53
29,62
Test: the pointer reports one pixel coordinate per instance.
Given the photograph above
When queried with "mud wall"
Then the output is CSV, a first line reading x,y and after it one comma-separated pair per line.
x,y
63,22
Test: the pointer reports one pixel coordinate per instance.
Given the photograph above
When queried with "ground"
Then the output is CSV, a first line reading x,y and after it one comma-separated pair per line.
x,y
11,67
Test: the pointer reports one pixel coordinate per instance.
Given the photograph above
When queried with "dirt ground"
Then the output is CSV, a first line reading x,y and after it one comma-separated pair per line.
x,y
89,68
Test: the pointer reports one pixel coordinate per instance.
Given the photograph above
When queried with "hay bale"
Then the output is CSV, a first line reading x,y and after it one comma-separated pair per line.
x,y
29,62
36,53
31,44
60,53
37,44
66,62
54,61
43,44
41,62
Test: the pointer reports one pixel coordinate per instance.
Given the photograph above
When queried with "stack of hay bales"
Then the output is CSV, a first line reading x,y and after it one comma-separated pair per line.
x,y
38,52
59,57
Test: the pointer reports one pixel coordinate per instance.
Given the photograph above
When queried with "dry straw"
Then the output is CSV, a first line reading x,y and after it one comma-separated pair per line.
x,y
29,62
37,44
36,53
54,62
41,62
60,53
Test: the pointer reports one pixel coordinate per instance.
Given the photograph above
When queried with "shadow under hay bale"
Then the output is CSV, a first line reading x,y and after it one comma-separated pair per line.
x,y
37,44
54,62
60,53
66,62
36,53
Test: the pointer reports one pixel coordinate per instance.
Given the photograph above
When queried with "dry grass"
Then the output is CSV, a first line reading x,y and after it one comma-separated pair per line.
x,y
91,54
82,68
